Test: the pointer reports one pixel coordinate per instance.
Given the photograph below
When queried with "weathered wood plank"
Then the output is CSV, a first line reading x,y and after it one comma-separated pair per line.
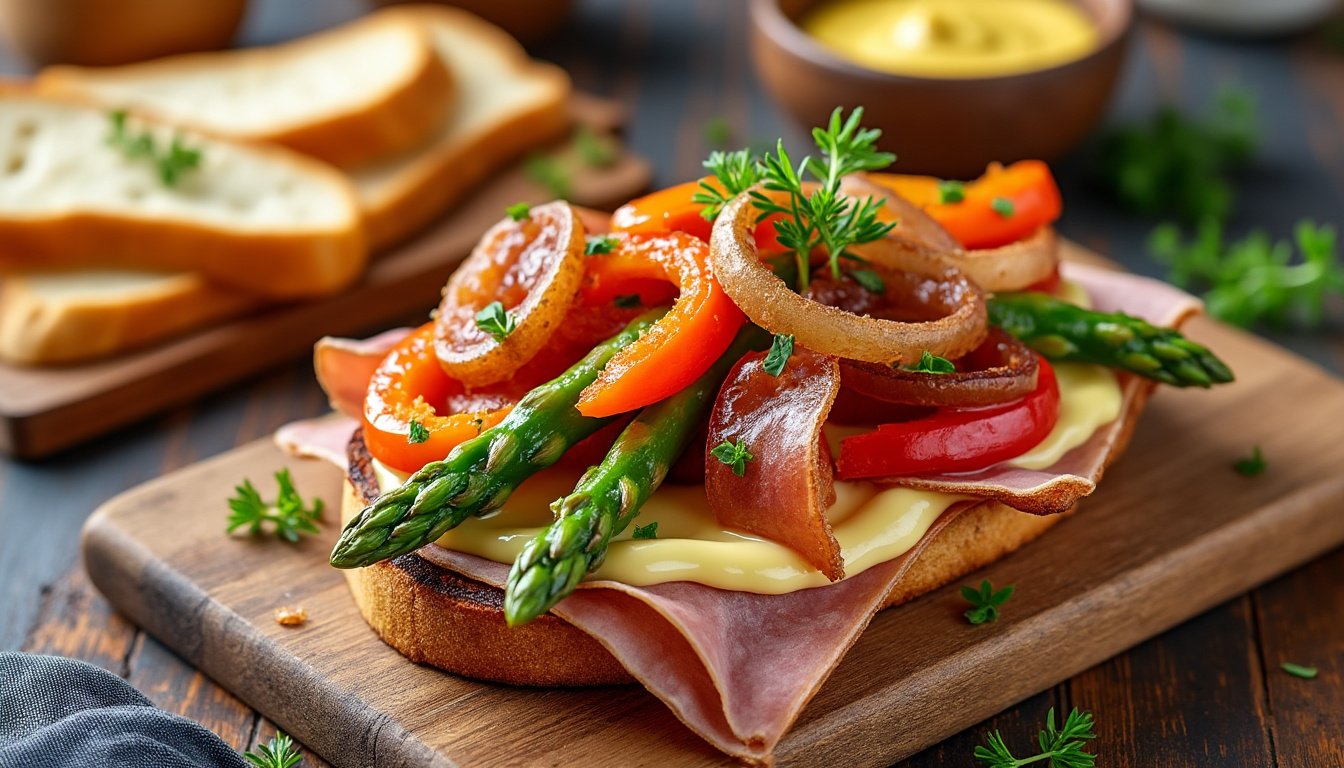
x,y
77,622
176,686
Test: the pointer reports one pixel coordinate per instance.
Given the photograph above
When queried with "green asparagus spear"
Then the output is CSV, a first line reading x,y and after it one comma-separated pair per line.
x,y
479,474
610,494
1061,331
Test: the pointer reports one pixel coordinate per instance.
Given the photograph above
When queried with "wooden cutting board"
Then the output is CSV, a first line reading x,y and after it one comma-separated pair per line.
x,y
1171,532
43,410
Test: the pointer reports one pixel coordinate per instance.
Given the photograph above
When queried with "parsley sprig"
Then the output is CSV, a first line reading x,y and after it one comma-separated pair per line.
x,y
1252,465
825,219
649,531
279,752
1062,747
781,349
985,601
931,363
495,321
736,172
288,515
171,162
735,455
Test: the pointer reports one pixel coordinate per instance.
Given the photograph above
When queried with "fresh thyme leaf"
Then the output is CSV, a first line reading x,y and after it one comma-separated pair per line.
x,y
825,219
417,433
1297,670
599,244
548,172
869,279
279,752
781,348
595,150
171,164
931,363
628,301
1252,465
1062,747
519,211
951,191
735,455
1003,206
289,517
495,321
985,601
649,531
735,171
718,131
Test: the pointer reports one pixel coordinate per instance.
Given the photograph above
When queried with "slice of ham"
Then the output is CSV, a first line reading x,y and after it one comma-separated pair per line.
x,y
343,367
737,667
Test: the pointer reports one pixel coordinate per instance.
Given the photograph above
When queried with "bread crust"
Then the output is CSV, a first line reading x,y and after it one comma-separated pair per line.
x,y
434,616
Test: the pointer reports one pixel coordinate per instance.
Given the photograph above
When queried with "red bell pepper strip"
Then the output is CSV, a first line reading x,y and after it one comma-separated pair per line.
x,y
674,210
955,439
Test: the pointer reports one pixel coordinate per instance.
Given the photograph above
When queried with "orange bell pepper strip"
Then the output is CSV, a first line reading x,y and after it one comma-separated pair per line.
x,y
680,346
674,210
1004,206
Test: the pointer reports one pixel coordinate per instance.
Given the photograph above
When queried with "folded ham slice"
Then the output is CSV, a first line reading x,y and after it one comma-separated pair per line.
x,y
737,667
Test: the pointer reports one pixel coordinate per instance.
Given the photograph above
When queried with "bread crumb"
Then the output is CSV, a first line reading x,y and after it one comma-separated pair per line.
x,y
291,617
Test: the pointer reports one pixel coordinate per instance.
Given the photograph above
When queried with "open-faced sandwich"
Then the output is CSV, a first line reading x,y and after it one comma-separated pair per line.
x,y
699,443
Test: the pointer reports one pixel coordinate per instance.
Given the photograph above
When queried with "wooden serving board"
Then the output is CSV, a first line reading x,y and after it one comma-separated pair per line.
x,y
1171,532
43,410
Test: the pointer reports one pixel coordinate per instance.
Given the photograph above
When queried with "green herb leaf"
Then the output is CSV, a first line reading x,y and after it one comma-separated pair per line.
x,y
1252,465
495,321
599,244
628,301
519,211
718,131
1297,670
735,171
781,349
279,752
171,164
288,516
596,151
951,192
869,279
931,363
417,433
548,172
734,455
1062,747
649,531
985,601
1004,207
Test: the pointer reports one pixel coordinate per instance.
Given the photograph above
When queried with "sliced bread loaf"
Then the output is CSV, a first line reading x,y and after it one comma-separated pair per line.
x,y
349,95
259,219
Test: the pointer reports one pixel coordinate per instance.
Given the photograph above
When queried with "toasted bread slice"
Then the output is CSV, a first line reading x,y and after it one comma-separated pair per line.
x,y
55,318
259,219
348,96
506,105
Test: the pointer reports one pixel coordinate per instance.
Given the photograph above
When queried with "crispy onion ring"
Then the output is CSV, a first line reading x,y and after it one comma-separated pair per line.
x,y
1000,370
533,267
769,302
1011,267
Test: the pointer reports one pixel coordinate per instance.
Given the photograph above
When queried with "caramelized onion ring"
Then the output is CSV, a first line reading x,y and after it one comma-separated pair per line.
x,y
1002,369
533,267
769,302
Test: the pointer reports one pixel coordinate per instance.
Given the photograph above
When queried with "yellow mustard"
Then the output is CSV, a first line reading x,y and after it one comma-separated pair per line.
x,y
953,38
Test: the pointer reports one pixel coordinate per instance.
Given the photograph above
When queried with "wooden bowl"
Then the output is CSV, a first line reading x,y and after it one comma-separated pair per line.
x,y
943,127
528,20
99,32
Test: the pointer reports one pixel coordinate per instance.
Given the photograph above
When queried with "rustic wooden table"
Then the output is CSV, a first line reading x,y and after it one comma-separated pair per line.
x,y
1208,693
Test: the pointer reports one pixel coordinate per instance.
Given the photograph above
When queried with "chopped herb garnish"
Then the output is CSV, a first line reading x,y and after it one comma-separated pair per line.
x,y
171,162
495,321
599,244
417,433
735,171
869,279
595,150
985,601
1003,206
951,192
628,301
1063,748
1297,670
718,131
735,455
548,172
824,218
279,752
1252,465
649,531
931,363
519,211
289,517
781,348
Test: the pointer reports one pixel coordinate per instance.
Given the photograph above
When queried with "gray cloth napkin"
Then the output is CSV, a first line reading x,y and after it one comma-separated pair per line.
x,y
62,713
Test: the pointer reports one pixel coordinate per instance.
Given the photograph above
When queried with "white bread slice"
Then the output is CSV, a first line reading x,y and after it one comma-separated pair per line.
x,y
349,95
259,219
55,318
507,104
